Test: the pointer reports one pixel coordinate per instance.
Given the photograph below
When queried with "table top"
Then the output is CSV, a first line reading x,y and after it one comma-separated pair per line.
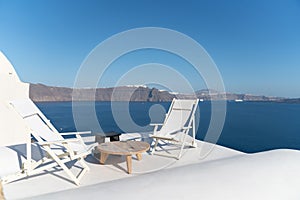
x,y
123,147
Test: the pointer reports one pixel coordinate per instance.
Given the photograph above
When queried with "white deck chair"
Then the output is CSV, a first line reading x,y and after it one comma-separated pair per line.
x,y
177,124
58,149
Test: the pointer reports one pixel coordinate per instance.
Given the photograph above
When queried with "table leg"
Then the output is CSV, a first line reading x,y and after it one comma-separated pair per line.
x,y
129,163
139,156
103,157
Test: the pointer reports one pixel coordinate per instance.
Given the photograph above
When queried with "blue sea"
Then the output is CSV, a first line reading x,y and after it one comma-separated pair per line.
x,y
249,126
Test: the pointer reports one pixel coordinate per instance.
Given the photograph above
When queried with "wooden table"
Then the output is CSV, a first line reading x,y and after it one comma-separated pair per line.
x,y
127,148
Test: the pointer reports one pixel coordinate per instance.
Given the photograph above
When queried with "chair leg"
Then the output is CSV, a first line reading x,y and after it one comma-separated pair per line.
x,y
1,191
85,168
180,153
194,143
64,167
154,147
182,146
83,164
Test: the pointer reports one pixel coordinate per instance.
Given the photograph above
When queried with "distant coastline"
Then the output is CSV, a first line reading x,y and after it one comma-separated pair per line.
x,y
44,93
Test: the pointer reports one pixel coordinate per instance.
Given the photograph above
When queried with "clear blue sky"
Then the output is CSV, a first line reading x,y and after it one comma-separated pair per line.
x,y
255,43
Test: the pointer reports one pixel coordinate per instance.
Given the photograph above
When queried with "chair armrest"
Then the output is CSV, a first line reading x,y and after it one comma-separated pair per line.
x,y
186,127
59,141
156,124
76,133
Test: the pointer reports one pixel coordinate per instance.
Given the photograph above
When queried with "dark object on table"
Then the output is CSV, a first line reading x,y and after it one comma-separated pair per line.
x,y
113,136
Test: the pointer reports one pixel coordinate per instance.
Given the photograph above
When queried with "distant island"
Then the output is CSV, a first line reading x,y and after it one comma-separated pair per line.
x,y
44,93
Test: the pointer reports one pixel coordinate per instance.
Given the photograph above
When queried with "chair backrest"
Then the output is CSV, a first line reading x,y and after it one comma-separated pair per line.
x,y
179,115
40,126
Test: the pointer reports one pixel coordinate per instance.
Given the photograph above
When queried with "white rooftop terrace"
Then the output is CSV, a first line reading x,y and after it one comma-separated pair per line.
x,y
222,174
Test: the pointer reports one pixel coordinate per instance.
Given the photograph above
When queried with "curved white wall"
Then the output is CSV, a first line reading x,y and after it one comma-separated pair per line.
x,y
12,127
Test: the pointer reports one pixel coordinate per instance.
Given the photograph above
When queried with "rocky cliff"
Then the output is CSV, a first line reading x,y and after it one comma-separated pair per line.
x,y
43,93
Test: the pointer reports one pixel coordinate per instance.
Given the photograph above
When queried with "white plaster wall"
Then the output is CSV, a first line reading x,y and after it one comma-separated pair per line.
x,y
12,127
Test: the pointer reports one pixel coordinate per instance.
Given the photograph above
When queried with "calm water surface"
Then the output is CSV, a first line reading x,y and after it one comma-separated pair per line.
x,y
249,126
